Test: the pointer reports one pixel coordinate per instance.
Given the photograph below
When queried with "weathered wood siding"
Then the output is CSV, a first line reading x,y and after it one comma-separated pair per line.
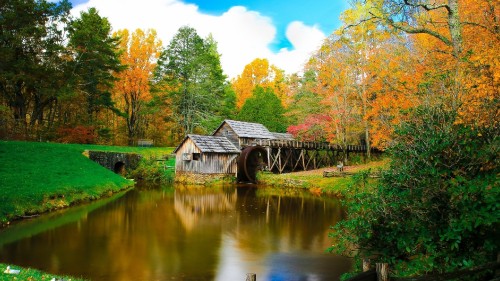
x,y
208,163
226,131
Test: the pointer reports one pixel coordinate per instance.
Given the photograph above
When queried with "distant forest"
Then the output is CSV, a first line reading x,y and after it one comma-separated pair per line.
x,y
71,79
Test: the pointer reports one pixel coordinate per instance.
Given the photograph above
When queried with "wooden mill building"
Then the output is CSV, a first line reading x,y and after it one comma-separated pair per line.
x,y
206,155
242,133
219,154
241,148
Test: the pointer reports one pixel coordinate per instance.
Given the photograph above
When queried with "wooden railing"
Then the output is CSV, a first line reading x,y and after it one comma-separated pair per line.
x,y
301,145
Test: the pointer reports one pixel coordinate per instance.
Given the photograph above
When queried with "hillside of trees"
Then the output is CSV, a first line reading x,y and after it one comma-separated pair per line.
x,y
72,79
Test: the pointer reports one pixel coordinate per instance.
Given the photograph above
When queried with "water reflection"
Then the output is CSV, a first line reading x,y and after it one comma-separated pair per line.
x,y
186,233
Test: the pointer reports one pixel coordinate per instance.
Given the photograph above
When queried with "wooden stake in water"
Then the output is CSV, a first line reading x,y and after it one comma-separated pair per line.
x,y
382,271
251,277
366,265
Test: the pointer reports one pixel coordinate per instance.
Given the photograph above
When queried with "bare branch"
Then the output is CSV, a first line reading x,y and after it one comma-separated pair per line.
x,y
428,7
359,23
419,30
475,24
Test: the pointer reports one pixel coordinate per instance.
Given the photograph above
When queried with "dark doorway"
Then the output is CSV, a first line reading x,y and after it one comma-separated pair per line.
x,y
120,168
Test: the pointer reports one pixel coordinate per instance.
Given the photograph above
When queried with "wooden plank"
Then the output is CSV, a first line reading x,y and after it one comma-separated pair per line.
x,y
251,277
288,155
301,156
382,271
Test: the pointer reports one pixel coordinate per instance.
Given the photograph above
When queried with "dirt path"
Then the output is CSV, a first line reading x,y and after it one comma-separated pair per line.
x,y
353,168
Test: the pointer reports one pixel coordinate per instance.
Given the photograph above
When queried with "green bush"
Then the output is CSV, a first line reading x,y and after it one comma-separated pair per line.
x,y
151,169
437,208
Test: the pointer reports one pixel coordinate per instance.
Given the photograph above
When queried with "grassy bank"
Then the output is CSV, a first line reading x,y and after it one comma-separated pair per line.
x,y
30,274
39,177
316,183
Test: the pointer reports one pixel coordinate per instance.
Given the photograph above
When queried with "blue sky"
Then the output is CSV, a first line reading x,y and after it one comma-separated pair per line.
x,y
284,32
322,13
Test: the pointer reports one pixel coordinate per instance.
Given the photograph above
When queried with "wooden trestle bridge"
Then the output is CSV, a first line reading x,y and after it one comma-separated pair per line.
x,y
289,155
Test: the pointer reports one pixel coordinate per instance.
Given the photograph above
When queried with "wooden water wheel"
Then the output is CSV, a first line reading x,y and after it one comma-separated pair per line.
x,y
250,162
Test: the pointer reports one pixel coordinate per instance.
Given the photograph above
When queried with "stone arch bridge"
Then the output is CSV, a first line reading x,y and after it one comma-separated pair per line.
x,y
117,162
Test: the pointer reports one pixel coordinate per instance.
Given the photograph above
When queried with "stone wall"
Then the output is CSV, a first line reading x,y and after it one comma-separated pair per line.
x,y
115,161
202,179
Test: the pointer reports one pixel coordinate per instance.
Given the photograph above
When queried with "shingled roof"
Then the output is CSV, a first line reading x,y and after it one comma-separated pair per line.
x,y
211,144
249,130
283,136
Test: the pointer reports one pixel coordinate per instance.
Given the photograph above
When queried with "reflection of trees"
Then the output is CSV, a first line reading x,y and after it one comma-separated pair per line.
x,y
192,205
138,237
163,234
297,222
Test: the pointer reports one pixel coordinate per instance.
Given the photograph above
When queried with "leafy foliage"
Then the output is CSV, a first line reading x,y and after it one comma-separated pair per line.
x,y
191,71
313,128
139,52
79,134
96,55
32,61
259,73
264,107
437,207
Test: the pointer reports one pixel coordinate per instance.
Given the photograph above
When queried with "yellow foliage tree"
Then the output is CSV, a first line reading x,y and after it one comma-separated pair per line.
x,y
140,51
458,41
260,73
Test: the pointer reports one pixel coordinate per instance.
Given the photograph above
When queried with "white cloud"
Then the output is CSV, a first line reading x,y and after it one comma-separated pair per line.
x,y
305,40
242,35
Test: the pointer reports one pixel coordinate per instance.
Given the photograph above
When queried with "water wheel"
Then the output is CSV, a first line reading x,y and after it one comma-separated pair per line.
x,y
250,162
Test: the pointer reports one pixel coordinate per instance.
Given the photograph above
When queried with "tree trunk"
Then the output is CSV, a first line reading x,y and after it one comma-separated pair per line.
x,y
455,27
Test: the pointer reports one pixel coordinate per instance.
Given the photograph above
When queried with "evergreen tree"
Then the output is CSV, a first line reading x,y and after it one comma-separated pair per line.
x,y
264,107
96,58
190,71
32,64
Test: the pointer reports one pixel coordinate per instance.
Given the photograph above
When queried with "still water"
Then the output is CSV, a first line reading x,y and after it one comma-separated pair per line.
x,y
184,233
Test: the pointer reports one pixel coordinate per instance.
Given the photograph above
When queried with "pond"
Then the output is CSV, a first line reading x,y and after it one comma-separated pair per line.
x,y
184,233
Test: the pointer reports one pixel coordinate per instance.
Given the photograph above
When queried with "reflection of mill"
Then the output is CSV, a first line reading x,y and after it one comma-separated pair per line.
x,y
191,205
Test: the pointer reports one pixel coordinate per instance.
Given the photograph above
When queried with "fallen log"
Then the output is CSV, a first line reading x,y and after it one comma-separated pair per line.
x,y
331,174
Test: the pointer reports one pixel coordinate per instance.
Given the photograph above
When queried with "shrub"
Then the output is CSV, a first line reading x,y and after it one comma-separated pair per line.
x,y
436,208
79,134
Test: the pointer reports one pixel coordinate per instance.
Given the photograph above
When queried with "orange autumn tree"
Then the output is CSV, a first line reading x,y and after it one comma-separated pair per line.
x,y
334,84
458,41
481,44
366,76
140,51
259,73
388,73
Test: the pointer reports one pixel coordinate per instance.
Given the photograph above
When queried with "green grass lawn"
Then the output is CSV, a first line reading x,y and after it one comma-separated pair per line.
x,y
39,177
316,183
30,274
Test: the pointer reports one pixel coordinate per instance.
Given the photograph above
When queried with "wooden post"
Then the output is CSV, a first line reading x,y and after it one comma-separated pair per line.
x,y
497,272
251,277
366,265
382,271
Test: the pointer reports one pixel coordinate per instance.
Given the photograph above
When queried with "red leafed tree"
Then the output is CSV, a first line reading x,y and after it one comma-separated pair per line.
x,y
312,129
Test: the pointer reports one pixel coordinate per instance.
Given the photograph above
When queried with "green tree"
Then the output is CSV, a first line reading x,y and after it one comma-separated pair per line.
x,y
305,101
96,58
190,71
436,208
264,107
32,61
